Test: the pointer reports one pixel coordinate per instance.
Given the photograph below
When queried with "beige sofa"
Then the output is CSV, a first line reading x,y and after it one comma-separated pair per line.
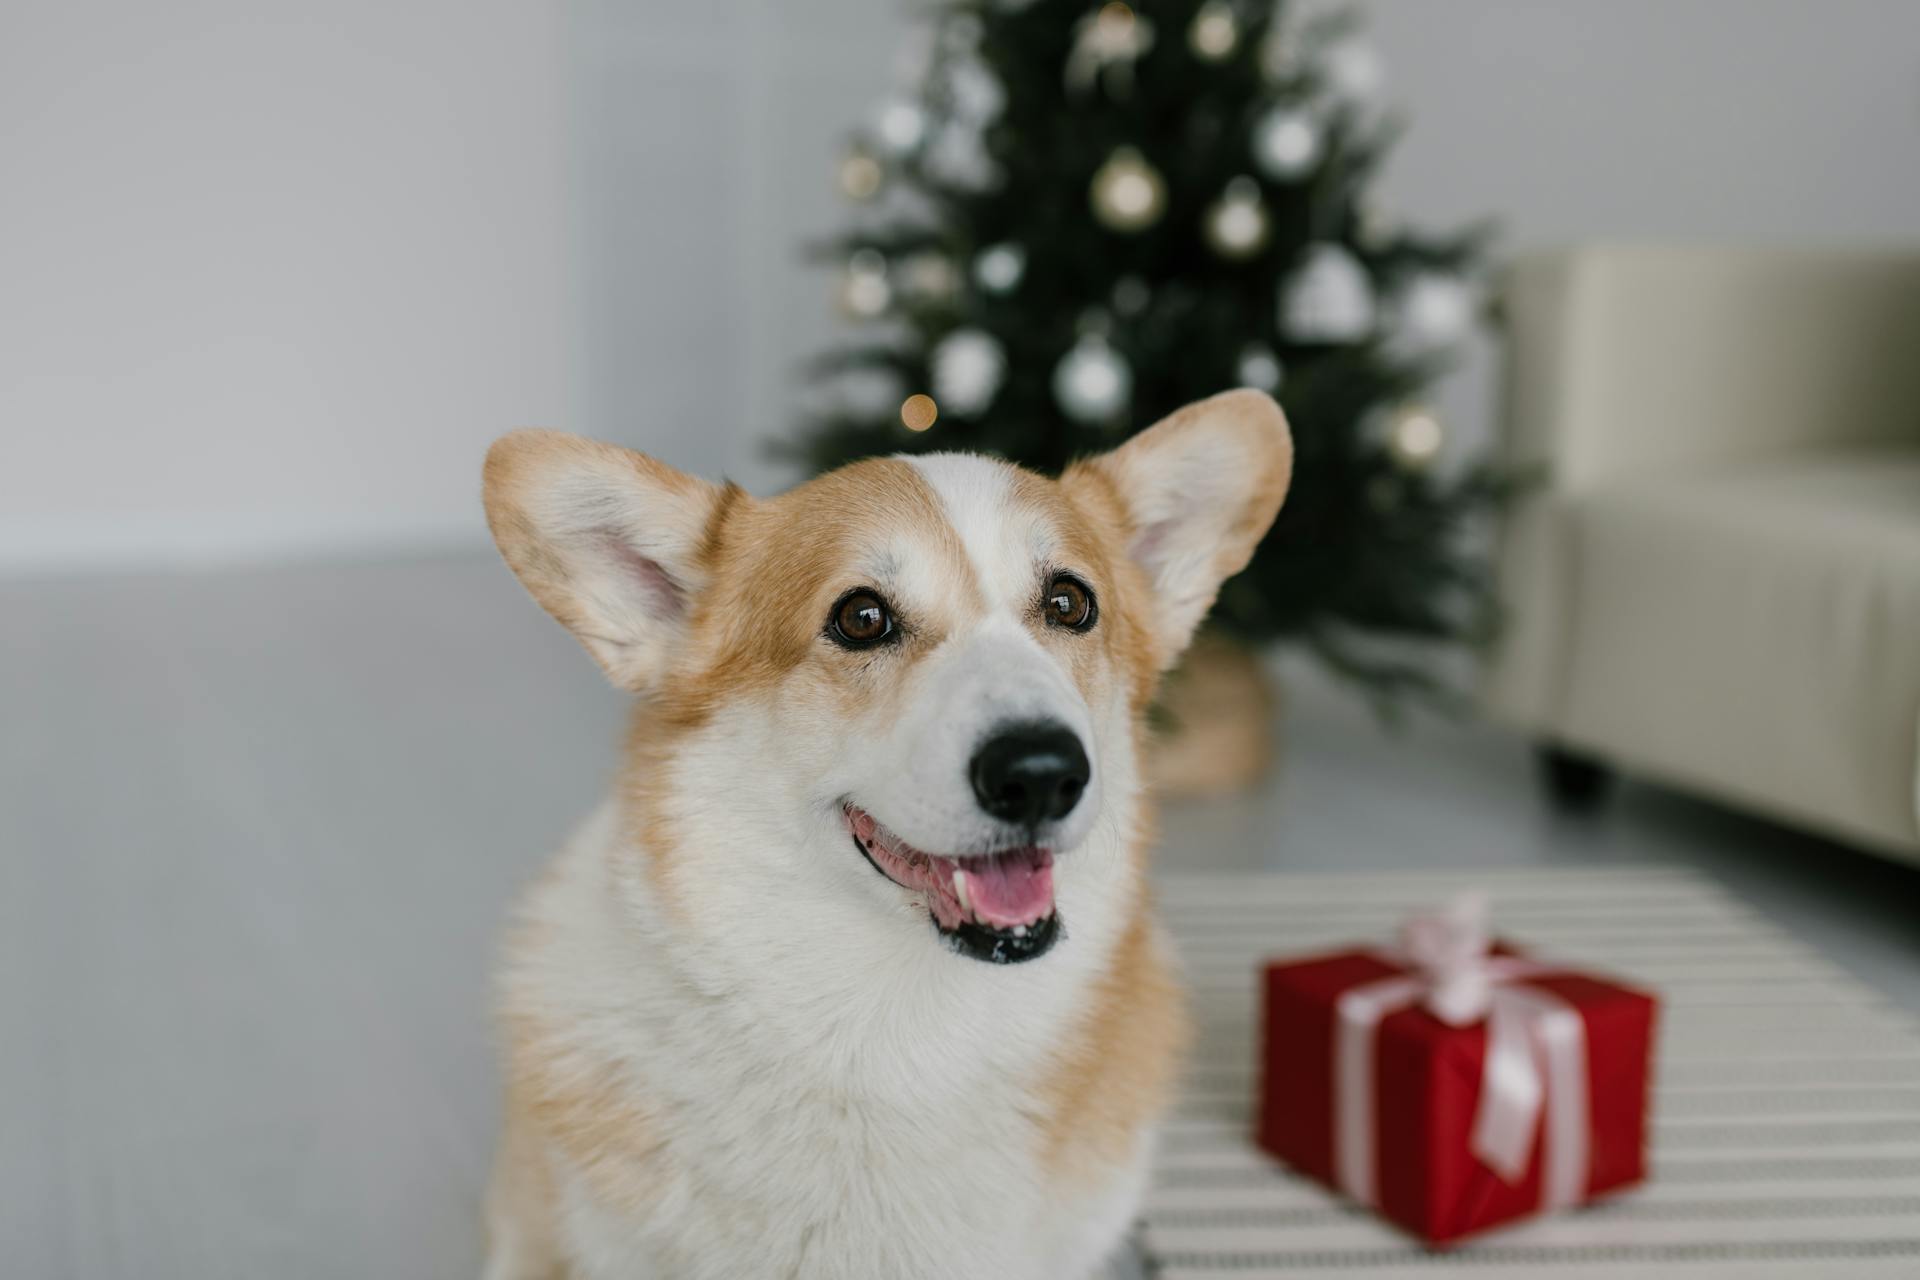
x,y
1717,582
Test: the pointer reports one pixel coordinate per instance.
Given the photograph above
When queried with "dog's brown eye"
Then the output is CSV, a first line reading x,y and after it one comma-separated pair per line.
x,y
860,619
1070,604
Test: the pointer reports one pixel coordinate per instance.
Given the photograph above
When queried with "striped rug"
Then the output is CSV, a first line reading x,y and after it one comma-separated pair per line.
x,y
1786,1130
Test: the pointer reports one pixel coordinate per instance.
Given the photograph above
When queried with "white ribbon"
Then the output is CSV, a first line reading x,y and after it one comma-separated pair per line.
x,y
1536,1054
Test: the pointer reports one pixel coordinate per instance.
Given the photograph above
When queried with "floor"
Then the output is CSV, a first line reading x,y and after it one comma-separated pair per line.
x,y
257,829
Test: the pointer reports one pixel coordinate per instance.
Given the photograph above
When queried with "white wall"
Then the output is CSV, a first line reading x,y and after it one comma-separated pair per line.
x,y
271,283
271,275
1749,121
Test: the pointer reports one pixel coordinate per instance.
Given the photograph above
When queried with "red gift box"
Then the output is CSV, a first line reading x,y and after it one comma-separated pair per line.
x,y
1528,1095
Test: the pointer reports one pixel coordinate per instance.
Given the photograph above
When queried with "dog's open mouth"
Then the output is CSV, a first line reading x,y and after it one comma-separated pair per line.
x,y
997,908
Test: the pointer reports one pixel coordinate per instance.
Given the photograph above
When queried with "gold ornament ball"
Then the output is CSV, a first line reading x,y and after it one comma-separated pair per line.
x,y
1415,436
1128,194
1214,32
860,175
929,276
918,412
1237,223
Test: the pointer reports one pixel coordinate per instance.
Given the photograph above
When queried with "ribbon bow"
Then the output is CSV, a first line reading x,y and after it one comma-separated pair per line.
x,y
1536,1061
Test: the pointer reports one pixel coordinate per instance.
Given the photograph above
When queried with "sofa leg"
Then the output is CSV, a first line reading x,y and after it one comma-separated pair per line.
x,y
1575,783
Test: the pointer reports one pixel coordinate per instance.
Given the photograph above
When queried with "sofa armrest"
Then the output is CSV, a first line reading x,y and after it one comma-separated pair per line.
x,y
1624,360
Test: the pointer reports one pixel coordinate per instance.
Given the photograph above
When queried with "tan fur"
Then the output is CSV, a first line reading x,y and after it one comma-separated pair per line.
x,y
759,578
1120,1063
1265,448
778,565
574,1099
521,1190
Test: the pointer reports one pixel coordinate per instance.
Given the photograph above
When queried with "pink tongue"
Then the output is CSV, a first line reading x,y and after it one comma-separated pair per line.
x,y
1011,889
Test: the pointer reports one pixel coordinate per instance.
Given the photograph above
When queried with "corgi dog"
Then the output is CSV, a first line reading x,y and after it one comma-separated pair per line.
x,y
855,974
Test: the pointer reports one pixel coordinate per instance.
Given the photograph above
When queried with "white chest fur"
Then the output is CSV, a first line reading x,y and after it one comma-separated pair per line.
x,y
837,1113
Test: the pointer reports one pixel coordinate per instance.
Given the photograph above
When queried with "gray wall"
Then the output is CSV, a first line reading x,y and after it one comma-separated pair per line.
x,y
275,274
1747,121
271,274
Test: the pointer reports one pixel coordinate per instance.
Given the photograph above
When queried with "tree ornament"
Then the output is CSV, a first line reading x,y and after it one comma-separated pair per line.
x,y
900,125
1092,382
998,267
1237,223
1414,437
1353,71
968,366
1327,298
1215,31
1110,39
860,174
1286,143
1433,310
918,412
864,291
1260,368
957,157
928,276
1128,194
973,93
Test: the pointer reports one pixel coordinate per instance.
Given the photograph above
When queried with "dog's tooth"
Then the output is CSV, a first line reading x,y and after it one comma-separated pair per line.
x,y
960,891
1019,931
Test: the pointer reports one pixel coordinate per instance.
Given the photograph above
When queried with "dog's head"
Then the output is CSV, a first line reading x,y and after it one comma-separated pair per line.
x,y
933,668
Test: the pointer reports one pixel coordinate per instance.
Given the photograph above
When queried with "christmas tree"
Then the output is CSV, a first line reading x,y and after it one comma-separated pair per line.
x,y
1077,219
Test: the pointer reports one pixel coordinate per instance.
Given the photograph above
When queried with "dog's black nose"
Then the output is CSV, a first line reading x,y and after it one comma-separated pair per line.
x,y
1030,773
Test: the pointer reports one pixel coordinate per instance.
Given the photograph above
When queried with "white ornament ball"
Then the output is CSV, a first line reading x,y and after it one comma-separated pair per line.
x,y
864,291
1215,31
974,93
998,267
1092,382
1353,71
1286,143
1237,223
1327,298
968,366
901,126
1433,310
957,156
1260,368
1415,437
1128,194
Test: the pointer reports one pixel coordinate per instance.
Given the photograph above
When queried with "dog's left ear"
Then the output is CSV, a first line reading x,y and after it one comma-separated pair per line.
x,y
609,541
1197,492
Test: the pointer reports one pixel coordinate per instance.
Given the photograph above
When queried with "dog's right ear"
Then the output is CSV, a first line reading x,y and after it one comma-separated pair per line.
x,y
610,542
